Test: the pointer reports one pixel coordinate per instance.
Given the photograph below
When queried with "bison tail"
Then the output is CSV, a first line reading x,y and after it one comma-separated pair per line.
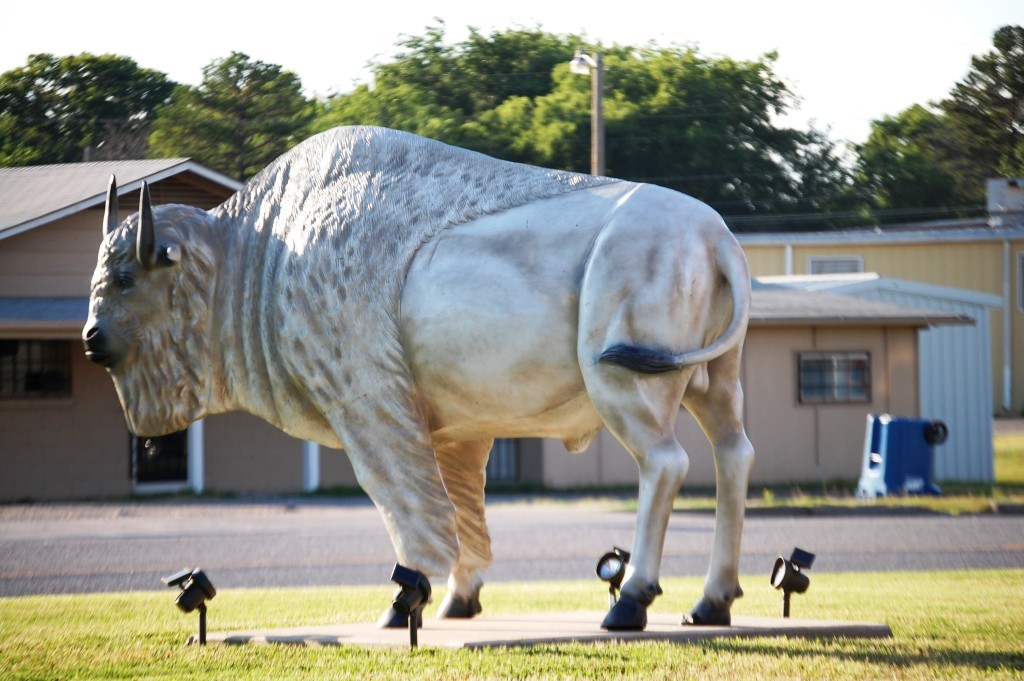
x,y
733,266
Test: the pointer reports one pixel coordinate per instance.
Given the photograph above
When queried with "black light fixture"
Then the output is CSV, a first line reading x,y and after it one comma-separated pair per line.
x,y
788,575
412,595
611,568
196,589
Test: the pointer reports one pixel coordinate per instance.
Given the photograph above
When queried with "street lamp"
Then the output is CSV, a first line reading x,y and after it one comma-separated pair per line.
x,y
583,64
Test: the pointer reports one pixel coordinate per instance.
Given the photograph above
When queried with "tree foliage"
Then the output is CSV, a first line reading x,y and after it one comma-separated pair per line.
x,y
934,159
54,108
706,126
243,115
986,114
902,163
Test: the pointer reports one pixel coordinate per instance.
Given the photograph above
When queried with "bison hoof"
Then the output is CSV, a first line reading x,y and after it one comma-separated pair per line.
x,y
392,619
706,613
626,615
454,607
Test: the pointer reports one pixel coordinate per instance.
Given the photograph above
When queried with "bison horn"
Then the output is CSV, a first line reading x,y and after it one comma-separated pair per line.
x,y
110,219
145,245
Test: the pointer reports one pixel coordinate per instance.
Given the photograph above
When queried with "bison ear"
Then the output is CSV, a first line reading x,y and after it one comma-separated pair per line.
x,y
145,244
110,219
168,255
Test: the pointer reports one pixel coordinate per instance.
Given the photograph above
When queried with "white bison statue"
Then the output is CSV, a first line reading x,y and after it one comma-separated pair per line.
x,y
411,301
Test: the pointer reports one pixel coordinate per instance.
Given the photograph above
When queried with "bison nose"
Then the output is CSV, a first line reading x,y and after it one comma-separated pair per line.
x,y
97,348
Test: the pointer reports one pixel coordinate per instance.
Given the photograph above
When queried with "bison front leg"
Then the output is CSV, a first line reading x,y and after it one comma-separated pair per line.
x,y
463,469
389,445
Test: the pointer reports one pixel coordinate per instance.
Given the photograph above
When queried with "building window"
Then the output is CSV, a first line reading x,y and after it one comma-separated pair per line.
x,y
835,377
34,369
835,264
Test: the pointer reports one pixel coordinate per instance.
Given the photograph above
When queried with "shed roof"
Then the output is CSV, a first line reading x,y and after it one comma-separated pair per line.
x,y
774,304
43,317
36,195
871,281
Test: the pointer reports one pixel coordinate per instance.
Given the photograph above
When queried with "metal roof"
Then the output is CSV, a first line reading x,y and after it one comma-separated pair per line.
x,y
783,305
856,283
49,317
36,195
967,231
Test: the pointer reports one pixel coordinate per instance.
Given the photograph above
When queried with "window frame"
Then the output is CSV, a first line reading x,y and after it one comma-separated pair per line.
x,y
47,361
857,260
840,382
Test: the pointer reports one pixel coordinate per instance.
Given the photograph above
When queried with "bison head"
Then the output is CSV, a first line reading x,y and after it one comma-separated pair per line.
x,y
148,312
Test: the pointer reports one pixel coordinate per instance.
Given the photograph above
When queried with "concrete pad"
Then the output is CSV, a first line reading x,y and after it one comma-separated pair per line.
x,y
528,630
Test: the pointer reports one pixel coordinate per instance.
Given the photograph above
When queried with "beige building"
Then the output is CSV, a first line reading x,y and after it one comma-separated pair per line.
x,y
984,256
815,365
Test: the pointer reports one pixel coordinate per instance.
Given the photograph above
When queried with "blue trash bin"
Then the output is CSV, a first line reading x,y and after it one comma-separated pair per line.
x,y
899,455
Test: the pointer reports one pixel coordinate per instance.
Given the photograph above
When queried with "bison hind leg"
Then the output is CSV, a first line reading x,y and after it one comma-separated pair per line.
x,y
719,411
710,613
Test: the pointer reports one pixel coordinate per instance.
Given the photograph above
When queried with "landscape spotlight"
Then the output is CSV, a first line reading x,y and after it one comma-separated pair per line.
x,y
788,575
612,568
196,589
413,593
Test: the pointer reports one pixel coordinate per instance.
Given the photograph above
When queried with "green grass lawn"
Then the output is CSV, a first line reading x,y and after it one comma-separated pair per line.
x,y
1009,460
961,625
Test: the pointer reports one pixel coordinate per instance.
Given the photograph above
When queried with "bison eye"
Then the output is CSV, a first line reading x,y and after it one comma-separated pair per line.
x,y
124,281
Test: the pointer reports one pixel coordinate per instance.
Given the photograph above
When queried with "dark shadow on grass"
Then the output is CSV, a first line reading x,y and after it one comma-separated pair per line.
x,y
982,660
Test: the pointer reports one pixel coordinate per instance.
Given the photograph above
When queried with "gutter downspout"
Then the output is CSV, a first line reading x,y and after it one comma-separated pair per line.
x,y
1007,331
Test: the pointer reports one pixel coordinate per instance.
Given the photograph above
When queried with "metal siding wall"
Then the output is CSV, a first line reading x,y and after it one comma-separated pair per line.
x,y
955,384
765,260
972,266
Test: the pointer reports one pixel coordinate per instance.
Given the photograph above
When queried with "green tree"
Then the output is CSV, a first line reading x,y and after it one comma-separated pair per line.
x,y
445,91
902,164
243,115
54,108
933,160
703,125
986,115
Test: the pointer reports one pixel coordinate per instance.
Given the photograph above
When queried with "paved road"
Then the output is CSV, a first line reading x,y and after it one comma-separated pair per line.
x,y
80,548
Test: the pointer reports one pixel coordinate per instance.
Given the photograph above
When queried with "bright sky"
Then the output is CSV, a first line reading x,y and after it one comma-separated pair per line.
x,y
849,62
